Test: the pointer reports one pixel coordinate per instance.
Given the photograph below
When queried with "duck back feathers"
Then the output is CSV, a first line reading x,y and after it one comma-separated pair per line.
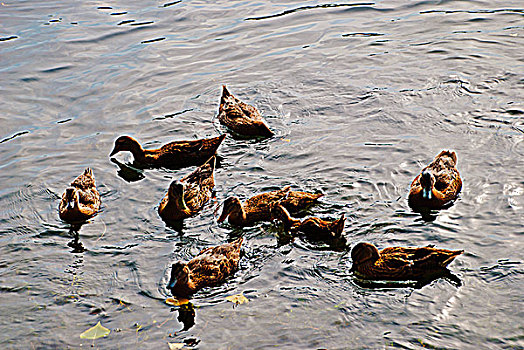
x,y
209,268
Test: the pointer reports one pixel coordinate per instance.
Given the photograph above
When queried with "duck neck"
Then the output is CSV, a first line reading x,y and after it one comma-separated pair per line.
x,y
287,220
237,215
138,152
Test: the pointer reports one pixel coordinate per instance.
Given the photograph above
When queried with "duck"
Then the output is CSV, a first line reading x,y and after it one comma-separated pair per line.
x,y
438,184
258,208
313,228
209,268
174,155
187,196
81,200
400,263
240,117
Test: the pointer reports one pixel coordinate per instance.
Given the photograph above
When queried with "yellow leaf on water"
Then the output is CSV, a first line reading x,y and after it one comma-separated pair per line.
x,y
176,301
95,332
175,346
237,299
287,140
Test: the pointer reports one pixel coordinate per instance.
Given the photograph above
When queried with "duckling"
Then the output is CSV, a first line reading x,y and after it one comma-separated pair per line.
x,y
398,263
314,229
174,155
240,117
80,201
187,196
438,185
209,268
258,208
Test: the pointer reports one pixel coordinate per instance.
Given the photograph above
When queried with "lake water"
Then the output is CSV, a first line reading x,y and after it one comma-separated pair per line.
x,y
361,96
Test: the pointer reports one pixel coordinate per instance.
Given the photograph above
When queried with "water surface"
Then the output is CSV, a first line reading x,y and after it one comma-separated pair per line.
x,y
361,95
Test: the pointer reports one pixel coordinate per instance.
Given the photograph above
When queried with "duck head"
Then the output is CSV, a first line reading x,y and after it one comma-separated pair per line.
x,y
427,181
71,198
126,143
179,274
176,194
278,212
364,252
231,205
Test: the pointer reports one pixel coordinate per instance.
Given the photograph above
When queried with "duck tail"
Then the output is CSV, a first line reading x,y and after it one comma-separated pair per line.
x,y
452,254
448,153
238,242
338,225
225,94
318,195
221,138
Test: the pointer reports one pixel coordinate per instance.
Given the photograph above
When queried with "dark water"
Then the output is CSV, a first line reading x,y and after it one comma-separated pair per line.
x,y
361,95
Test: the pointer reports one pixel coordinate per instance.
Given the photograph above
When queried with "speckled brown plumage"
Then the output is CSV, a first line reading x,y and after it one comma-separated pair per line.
x,y
187,196
241,117
313,228
81,200
177,154
438,184
209,268
399,263
258,208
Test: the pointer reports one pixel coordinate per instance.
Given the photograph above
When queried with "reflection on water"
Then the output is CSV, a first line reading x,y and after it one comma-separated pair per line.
x,y
360,96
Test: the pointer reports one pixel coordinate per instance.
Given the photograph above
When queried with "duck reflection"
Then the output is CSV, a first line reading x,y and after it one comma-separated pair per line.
x,y
312,229
416,284
128,172
75,243
186,316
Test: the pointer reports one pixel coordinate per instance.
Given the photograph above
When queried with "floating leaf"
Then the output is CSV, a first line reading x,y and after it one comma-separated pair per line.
x,y
237,299
175,346
287,140
176,301
95,332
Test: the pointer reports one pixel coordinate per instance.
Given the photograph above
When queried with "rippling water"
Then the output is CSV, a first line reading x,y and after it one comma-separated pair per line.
x,y
361,96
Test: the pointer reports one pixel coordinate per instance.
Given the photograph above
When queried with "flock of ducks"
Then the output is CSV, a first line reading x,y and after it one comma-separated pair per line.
x,y
436,187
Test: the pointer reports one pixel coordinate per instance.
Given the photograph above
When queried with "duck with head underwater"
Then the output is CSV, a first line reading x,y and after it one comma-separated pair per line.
x,y
400,263
240,117
258,208
174,155
438,185
313,228
209,268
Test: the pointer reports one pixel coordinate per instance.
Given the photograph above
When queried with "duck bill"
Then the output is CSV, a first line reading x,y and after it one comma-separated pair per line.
x,y
172,283
113,152
427,193
223,216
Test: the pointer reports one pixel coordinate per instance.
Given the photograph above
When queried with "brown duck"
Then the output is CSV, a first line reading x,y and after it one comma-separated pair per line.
x,y
187,196
209,268
177,154
315,229
438,185
80,201
258,208
398,263
241,117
